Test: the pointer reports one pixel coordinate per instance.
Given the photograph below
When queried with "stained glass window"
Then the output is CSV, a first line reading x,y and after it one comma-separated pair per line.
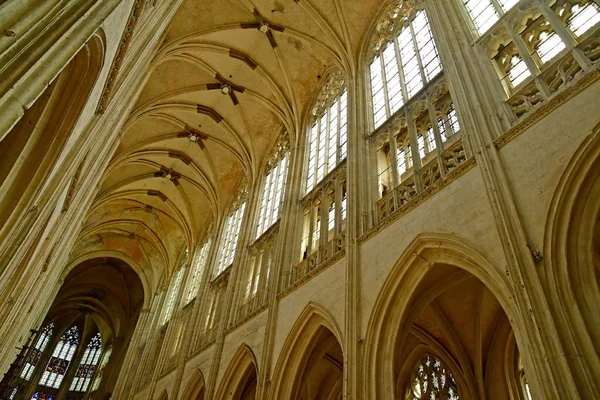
x,y
105,359
42,396
403,67
87,366
432,381
61,358
36,353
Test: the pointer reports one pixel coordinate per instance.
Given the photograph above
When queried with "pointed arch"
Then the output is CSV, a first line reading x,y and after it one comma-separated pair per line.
x,y
395,309
240,379
164,395
196,387
314,327
572,257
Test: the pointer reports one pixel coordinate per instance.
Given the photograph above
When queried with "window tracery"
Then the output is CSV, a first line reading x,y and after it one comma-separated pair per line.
x,y
61,358
198,270
328,135
432,381
536,46
275,183
38,349
404,58
87,365
232,229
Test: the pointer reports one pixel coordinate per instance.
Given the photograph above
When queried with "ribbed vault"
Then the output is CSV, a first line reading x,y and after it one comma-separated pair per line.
x,y
229,79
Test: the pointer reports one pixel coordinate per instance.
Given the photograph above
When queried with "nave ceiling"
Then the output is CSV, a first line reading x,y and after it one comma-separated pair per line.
x,y
221,92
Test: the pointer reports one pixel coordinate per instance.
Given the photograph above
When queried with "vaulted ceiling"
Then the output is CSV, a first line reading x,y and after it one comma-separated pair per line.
x,y
231,76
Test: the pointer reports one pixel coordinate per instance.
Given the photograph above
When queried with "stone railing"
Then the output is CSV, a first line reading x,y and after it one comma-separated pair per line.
x,y
556,78
253,306
430,176
206,338
314,263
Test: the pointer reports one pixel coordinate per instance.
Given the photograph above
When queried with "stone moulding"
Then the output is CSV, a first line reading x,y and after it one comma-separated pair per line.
x,y
308,276
420,198
547,108
134,17
246,319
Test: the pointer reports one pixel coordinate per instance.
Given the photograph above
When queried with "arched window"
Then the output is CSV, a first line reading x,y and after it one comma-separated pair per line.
x,y
87,365
231,232
432,381
172,295
274,189
98,378
61,358
402,63
198,271
38,349
328,135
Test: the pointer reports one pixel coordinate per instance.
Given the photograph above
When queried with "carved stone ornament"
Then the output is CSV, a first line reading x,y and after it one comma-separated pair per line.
x,y
279,150
333,88
397,15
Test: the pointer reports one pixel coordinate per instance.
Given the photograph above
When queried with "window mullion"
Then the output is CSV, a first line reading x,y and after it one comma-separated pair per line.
x,y
338,154
498,7
565,35
417,53
385,88
400,71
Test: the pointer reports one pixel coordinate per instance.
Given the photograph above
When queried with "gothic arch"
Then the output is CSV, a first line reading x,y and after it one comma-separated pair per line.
x,y
410,290
240,379
572,247
315,330
35,143
196,387
164,395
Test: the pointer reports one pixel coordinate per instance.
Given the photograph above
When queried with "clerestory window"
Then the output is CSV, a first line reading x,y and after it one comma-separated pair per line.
x,y
87,365
274,189
231,232
328,135
172,294
198,270
402,65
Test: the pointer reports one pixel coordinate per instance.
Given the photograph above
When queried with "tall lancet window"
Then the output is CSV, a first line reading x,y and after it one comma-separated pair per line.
x,y
274,189
87,366
198,270
172,295
61,358
328,134
405,60
231,232
36,353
